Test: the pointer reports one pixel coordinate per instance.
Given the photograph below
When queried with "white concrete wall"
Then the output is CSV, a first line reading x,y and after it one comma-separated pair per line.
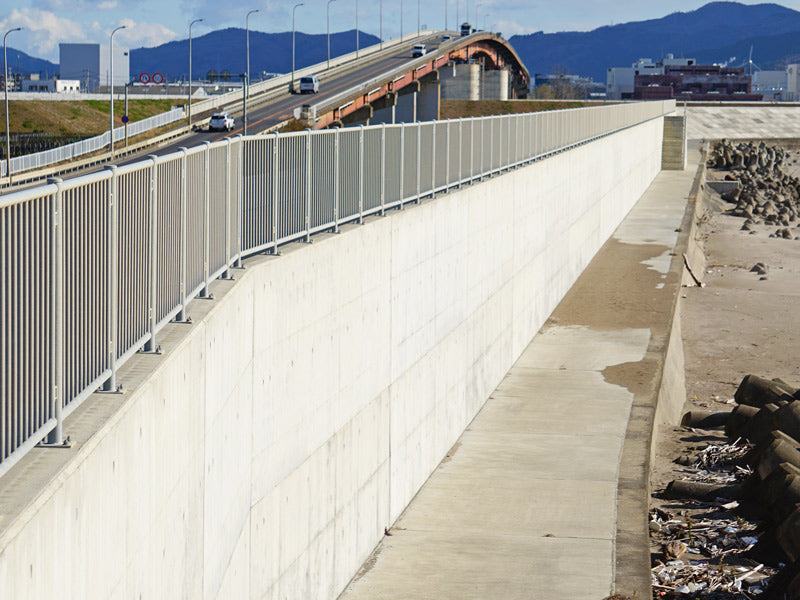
x,y
272,445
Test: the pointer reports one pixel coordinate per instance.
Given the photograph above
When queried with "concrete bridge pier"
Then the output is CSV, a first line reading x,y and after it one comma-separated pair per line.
x,y
428,99
461,81
384,109
494,84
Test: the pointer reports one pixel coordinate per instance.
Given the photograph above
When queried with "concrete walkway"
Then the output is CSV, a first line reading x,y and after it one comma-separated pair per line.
x,y
743,122
528,503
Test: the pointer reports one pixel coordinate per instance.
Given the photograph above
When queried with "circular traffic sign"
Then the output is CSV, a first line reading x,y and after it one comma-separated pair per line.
x,y
125,118
157,78
144,78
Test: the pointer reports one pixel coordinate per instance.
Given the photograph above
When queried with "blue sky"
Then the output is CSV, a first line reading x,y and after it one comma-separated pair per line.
x,y
153,22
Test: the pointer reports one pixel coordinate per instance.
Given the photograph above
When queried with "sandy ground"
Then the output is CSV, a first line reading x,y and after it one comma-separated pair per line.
x,y
737,324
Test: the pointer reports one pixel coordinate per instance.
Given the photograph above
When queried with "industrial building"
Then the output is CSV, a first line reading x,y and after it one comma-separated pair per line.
x,y
53,86
90,64
696,83
620,81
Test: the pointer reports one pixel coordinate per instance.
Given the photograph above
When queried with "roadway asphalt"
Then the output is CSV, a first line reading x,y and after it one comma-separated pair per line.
x,y
264,116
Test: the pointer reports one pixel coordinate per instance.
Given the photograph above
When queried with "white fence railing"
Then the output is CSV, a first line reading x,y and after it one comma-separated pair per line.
x,y
40,160
92,268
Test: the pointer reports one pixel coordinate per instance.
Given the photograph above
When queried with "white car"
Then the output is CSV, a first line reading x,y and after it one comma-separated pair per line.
x,y
221,122
419,50
309,84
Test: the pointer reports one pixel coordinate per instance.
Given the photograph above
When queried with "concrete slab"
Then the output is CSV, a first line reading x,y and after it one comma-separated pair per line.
x,y
525,505
422,567
742,122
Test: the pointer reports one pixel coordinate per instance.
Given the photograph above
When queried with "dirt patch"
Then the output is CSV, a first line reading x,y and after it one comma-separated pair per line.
x,y
741,322
87,117
456,109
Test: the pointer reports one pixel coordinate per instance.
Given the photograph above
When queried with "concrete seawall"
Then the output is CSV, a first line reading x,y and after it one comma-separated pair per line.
x,y
264,454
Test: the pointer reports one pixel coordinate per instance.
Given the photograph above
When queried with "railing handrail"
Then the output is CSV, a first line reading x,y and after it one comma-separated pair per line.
x,y
88,285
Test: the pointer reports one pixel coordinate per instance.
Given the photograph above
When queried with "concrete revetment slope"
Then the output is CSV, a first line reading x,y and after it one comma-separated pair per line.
x,y
265,452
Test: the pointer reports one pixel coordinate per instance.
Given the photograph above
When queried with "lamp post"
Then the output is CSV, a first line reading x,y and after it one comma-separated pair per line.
x,y
445,15
5,86
329,32
111,87
356,28
294,8
380,18
246,82
189,93
401,20
418,18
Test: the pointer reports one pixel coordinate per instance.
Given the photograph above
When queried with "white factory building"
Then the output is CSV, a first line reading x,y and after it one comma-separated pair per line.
x,y
90,64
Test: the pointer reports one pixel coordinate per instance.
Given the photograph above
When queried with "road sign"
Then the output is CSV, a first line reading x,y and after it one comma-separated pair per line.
x,y
125,118
144,77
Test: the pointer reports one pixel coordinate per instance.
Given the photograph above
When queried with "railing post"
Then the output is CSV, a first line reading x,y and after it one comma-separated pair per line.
x,y
472,149
226,274
56,436
181,316
205,293
308,187
275,144
447,156
336,180
383,169
460,152
240,204
433,159
483,148
361,175
150,345
112,281
492,121
402,163
419,158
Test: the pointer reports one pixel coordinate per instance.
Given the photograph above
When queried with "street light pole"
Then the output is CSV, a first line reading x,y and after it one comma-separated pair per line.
x,y
401,20
380,12
111,87
419,28
246,82
294,8
189,98
5,86
356,28
329,32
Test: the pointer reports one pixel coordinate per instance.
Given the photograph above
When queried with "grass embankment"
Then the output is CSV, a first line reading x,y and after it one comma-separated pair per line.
x,y
86,118
455,109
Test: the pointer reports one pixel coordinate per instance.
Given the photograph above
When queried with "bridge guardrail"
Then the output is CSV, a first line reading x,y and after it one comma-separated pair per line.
x,y
94,267
72,151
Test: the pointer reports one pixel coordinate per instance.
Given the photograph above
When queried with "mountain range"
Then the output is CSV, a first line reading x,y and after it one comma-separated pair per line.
x,y
715,33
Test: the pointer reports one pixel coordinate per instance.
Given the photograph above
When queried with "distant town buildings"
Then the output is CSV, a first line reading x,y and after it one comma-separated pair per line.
x,y
684,79
90,64
53,86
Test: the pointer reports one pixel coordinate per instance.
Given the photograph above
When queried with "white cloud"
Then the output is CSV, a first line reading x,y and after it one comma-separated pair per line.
x,y
144,34
509,28
43,30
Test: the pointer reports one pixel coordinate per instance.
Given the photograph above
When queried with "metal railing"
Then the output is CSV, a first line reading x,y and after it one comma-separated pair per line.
x,y
38,160
93,267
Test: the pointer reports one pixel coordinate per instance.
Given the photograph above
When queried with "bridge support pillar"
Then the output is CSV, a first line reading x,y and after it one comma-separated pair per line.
x,y
361,117
428,99
494,85
461,81
406,107
384,109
